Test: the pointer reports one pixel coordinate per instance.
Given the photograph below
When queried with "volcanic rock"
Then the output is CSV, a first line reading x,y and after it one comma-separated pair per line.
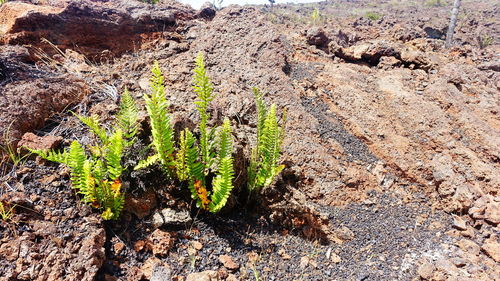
x,y
122,25
317,37
33,141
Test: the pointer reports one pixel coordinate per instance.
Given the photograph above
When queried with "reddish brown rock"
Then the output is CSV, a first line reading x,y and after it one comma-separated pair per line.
x,y
78,257
459,223
155,270
122,25
426,270
469,246
492,212
141,205
492,248
26,105
228,262
33,141
197,245
316,36
208,275
160,242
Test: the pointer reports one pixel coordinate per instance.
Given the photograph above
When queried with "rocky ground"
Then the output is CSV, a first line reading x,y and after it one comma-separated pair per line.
x,y
392,150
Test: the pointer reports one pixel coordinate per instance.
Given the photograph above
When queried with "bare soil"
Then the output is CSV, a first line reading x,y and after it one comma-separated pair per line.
x,y
392,149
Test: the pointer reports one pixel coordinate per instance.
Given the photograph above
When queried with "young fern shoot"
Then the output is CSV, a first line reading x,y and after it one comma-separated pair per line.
x,y
264,162
161,127
223,182
127,118
204,90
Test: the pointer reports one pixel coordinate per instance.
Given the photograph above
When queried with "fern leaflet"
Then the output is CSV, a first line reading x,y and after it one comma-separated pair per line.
x,y
223,182
204,90
127,118
161,127
114,155
93,123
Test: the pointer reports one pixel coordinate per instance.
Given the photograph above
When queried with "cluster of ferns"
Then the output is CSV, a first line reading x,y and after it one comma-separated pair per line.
x,y
202,158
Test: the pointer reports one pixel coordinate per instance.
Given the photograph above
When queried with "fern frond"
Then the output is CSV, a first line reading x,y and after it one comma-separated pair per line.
x,y
114,155
194,167
107,214
269,148
118,203
225,148
147,162
222,185
88,186
204,90
264,161
253,168
202,85
51,155
99,170
76,161
156,82
195,171
161,127
201,194
186,142
261,110
94,125
223,182
127,118
113,199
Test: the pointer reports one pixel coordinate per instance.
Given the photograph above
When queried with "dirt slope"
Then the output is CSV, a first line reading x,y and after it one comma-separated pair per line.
x,y
392,147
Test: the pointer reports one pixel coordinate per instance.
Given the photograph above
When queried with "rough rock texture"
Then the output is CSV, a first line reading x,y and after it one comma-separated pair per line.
x,y
14,64
374,108
49,254
123,26
29,95
25,105
33,141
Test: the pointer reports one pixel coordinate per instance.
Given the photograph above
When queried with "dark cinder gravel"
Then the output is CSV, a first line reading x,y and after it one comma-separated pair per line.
x,y
389,238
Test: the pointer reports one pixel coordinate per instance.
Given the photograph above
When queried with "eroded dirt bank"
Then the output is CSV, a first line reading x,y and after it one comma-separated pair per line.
x,y
392,149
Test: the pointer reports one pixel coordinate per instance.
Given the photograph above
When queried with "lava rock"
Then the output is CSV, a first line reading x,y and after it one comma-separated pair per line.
x,y
426,270
122,26
33,141
171,217
228,262
207,11
492,212
208,275
160,242
316,36
492,248
459,223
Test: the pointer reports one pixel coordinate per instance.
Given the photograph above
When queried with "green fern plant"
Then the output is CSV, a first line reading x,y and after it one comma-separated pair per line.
x,y
212,159
223,182
264,161
205,163
315,16
96,175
